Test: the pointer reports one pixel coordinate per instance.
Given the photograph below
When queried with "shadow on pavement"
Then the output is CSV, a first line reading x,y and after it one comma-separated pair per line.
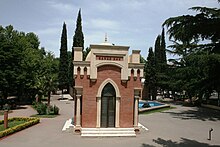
x,y
20,107
184,143
199,113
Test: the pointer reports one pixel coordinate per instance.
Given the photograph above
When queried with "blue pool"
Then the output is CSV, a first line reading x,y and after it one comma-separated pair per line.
x,y
148,104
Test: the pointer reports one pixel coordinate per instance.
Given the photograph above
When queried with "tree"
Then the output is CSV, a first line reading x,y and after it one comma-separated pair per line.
x,y
150,71
163,48
203,26
197,58
70,67
78,41
50,64
85,53
142,60
160,62
15,48
63,66
23,66
157,52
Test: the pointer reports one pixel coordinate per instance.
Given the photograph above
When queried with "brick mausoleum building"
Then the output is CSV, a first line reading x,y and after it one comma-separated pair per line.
x,y
108,87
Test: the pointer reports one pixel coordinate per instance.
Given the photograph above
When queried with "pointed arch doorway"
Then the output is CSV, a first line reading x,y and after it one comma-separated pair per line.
x,y
108,106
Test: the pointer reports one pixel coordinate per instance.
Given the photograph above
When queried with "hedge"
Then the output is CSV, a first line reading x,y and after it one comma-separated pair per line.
x,y
30,122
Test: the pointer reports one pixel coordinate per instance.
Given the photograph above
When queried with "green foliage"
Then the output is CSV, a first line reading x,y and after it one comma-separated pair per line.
x,y
44,116
157,52
142,60
85,53
163,48
78,41
56,110
27,123
11,124
70,68
63,66
41,108
44,109
150,72
156,67
197,70
161,62
49,110
25,70
202,26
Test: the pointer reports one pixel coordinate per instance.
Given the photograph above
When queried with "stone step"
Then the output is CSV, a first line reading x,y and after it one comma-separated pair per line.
x,y
68,125
105,132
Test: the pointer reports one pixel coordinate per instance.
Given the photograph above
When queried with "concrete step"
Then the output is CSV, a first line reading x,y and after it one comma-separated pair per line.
x,y
68,125
107,132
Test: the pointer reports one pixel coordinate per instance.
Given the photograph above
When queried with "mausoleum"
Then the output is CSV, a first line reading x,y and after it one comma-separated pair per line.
x,y
107,87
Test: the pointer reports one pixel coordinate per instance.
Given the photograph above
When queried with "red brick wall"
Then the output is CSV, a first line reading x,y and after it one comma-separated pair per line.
x,y
90,89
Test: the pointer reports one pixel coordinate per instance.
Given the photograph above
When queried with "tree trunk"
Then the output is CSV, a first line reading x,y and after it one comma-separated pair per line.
x,y
48,98
5,94
218,98
6,119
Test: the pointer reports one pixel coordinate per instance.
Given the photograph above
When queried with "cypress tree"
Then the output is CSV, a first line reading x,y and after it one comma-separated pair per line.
x,y
63,66
163,48
160,62
157,53
78,38
150,77
78,41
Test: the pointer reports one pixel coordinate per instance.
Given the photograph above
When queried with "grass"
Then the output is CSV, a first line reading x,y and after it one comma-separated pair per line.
x,y
44,116
12,124
157,110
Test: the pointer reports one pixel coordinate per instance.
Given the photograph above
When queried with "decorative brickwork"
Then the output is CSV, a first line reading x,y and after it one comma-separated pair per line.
x,y
108,66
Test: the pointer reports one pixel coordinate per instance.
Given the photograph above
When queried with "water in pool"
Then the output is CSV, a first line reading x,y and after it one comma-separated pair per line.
x,y
148,104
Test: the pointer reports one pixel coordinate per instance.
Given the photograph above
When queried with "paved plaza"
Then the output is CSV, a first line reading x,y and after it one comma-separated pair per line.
x,y
183,126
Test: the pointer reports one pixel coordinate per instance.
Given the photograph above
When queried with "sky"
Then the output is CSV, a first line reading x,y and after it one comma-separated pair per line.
x,y
134,23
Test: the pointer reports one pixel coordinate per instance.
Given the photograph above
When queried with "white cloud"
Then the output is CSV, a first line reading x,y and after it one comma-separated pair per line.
x,y
102,24
49,31
135,23
62,7
103,6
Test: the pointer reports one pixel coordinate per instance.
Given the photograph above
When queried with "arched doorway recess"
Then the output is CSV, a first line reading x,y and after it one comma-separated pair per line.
x,y
108,106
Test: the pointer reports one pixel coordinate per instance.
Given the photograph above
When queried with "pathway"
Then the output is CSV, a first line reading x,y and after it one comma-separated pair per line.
x,y
183,126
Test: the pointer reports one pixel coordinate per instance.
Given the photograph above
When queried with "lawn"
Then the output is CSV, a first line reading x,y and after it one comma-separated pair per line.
x,y
12,124
44,116
16,124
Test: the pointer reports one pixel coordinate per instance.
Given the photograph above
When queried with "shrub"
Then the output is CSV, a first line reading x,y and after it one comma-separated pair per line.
x,y
55,110
41,108
50,110
34,104
30,122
